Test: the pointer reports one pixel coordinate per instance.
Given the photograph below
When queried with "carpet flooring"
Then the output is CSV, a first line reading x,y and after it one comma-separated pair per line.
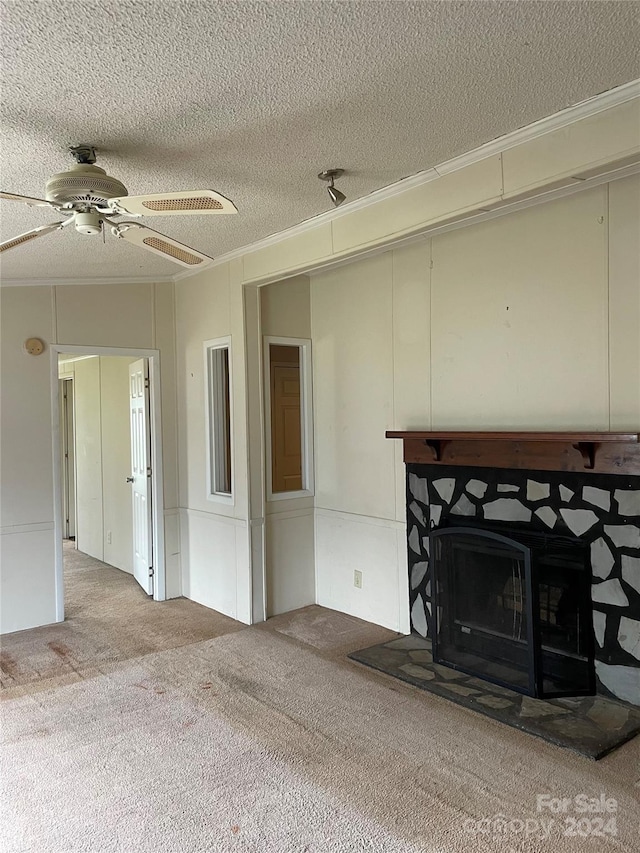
x,y
267,738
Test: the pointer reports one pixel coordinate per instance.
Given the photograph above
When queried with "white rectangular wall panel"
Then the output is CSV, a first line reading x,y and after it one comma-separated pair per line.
x,y
598,139
285,309
202,314
88,436
353,388
344,544
289,254
105,315
209,551
27,579
26,477
115,434
464,190
519,331
290,561
624,302
411,350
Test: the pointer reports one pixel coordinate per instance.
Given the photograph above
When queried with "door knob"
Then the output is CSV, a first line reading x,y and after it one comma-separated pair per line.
x,y
129,479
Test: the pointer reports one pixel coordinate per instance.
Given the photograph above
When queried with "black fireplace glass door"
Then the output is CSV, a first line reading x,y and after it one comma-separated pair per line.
x,y
516,613
482,605
564,636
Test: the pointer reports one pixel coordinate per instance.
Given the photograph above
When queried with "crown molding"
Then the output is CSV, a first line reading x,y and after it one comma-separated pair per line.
x,y
570,115
556,121
565,117
60,282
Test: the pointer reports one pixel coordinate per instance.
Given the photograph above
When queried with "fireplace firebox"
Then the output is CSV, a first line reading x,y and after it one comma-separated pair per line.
x,y
513,607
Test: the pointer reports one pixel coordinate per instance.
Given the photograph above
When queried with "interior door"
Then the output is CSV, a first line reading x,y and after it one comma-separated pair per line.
x,y
286,428
140,478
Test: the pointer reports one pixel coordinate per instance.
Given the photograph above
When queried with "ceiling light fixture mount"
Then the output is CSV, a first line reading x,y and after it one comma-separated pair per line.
x,y
83,154
330,175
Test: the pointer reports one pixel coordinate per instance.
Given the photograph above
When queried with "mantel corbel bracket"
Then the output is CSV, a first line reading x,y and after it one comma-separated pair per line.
x,y
436,446
587,449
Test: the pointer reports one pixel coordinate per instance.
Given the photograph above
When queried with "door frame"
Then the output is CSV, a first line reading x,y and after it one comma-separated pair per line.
x,y
68,471
157,490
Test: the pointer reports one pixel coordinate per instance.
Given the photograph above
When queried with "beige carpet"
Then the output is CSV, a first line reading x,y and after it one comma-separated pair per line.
x,y
108,620
268,739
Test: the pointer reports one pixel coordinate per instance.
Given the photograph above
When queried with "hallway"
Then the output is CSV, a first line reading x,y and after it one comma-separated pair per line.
x,y
108,620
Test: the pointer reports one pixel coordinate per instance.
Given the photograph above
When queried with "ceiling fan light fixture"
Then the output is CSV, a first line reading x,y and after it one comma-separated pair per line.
x,y
88,223
83,183
330,175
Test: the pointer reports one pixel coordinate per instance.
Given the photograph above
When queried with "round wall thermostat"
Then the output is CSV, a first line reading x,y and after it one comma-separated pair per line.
x,y
34,346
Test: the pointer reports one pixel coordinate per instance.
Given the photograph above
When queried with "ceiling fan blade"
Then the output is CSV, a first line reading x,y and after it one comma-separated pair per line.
x,y
160,244
40,231
25,199
173,204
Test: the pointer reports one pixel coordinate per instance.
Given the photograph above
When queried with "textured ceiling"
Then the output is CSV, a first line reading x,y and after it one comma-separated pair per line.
x,y
253,99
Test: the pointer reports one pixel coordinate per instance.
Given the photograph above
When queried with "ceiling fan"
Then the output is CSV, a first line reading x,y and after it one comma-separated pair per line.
x,y
88,197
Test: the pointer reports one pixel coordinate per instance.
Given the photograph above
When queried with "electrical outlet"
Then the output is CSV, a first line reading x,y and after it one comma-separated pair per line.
x,y
357,579
108,537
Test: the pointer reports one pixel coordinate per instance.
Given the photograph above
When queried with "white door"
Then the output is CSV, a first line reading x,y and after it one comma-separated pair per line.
x,y
140,478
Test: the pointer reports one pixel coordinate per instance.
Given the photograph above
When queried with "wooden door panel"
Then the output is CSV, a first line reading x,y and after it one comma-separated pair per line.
x,y
286,433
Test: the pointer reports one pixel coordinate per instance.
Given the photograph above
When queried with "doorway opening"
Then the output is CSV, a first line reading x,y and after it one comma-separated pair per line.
x,y
108,473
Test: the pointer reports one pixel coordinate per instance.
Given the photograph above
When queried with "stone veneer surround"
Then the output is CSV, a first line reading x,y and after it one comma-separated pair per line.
x,y
601,509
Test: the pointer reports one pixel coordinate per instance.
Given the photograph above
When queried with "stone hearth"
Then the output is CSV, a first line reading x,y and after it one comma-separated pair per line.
x,y
591,725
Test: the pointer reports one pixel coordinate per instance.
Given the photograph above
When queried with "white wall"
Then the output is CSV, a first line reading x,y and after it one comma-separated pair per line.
x,y
214,535
126,316
528,321
27,576
369,328
285,312
88,438
116,462
519,335
103,461
624,303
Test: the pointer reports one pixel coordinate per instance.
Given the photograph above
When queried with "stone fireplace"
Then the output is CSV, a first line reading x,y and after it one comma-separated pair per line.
x,y
527,577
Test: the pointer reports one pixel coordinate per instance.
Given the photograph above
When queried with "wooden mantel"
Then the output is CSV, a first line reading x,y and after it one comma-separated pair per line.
x,y
598,452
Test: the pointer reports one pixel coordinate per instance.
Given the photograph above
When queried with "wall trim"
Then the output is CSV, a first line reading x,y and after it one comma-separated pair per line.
x,y
322,512
34,527
64,282
570,115
290,513
212,516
